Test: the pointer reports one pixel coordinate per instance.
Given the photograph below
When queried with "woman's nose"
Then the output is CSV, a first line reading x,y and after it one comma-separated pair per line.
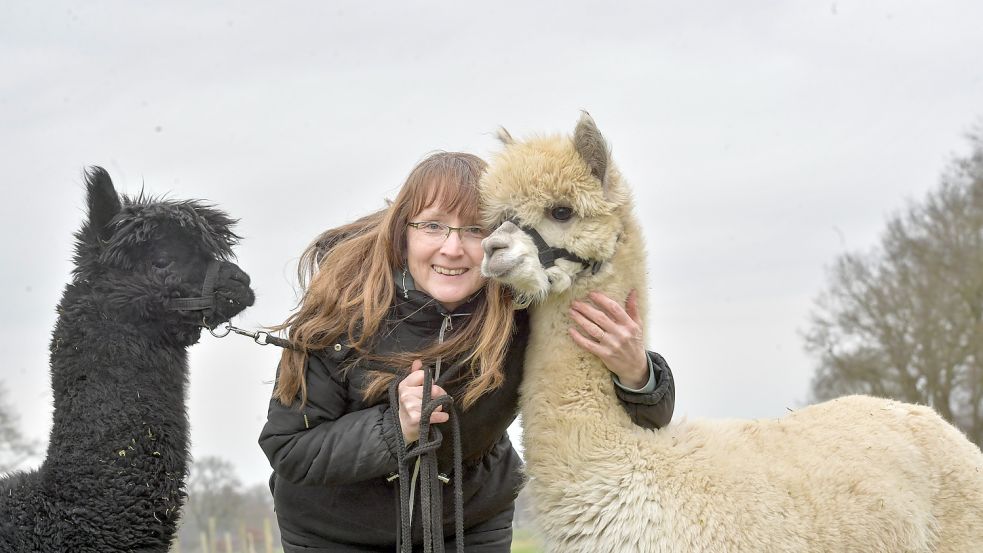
x,y
452,244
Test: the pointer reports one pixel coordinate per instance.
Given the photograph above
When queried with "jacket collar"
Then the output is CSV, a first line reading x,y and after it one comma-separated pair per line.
x,y
420,309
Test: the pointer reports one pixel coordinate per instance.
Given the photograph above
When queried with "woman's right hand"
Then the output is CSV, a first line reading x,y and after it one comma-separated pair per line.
x,y
411,403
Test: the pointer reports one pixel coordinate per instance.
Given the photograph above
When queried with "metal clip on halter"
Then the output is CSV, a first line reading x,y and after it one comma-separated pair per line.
x,y
261,337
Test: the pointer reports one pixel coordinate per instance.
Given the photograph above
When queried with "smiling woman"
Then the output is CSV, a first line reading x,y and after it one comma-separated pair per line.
x,y
396,301
352,284
445,260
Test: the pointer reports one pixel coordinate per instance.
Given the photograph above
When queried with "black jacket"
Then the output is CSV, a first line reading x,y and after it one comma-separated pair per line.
x,y
331,459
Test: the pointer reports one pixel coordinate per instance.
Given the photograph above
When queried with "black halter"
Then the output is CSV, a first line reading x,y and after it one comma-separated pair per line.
x,y
549,254
206,301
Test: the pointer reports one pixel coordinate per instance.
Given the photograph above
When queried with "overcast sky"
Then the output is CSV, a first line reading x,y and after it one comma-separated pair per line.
x,y
762,140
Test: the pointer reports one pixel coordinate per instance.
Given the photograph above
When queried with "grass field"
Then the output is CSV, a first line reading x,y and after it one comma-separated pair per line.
x,y
524,541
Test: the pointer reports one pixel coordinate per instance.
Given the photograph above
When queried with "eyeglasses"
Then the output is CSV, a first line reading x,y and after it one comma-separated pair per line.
x,y
440,232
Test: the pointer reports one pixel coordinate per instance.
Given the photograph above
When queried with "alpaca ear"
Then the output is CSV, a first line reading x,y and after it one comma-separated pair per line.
x,y
504,137
103,202
592,148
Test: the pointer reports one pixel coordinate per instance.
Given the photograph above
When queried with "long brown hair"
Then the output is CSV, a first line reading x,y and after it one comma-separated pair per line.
x,y
347,278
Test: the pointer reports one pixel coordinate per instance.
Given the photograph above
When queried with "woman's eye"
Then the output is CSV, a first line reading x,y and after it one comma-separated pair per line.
x,y
432,226
561,213
476,232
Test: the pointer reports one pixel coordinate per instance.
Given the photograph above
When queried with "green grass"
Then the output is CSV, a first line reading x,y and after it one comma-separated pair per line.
x,y
524,541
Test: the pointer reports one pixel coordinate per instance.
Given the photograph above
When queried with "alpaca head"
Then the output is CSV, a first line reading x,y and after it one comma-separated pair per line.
x,y
145,262
566,190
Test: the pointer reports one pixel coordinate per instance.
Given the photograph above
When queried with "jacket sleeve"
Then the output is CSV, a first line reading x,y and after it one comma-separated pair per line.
x,y
651,409
321,443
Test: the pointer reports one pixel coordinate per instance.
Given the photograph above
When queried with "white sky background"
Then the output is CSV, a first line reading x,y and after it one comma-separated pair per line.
x,y
762,140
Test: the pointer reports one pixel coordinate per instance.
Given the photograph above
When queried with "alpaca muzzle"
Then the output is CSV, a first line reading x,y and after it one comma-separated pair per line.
x,y
497,261
205,302
548,255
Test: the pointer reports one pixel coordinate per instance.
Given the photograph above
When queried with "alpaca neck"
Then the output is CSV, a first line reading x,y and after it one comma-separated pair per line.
x,y
114,378
119,399
563,383
110,382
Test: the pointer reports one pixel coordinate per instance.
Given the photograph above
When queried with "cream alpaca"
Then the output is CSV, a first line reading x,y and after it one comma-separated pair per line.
x,y
857,474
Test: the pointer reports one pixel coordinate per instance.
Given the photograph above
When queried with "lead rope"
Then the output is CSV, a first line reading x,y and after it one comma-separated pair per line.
x,y
445,324
425,450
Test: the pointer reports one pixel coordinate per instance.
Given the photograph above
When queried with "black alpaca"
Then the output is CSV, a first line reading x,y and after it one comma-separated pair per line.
x,y
113,479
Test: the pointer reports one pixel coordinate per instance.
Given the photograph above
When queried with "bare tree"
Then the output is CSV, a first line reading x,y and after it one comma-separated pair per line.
x,y
905,320
219,504
15,448
213,491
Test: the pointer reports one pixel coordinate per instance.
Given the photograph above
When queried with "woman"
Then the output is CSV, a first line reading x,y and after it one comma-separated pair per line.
x,y
389,294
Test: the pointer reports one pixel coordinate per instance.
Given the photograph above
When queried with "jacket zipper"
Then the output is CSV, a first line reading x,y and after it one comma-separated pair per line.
x,y
446,324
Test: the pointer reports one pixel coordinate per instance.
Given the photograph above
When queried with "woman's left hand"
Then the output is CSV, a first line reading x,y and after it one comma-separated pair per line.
x,y
614,334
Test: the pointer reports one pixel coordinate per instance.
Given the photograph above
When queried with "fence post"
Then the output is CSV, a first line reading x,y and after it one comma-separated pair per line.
x,y
268,535
204,542
212,539
243,545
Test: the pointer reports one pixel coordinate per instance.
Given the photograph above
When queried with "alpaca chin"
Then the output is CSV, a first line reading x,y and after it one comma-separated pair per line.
x,y
528,286
521,272
531,284
559,280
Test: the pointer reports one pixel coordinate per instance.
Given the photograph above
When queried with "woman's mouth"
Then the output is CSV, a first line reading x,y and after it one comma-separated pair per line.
x,y
447,271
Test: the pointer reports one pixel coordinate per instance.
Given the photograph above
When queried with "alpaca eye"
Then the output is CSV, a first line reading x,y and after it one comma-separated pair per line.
x,y
161,263
561,213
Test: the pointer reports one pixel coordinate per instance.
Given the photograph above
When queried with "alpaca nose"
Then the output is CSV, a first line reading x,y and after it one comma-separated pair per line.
x,y
494,243
234,285
499,240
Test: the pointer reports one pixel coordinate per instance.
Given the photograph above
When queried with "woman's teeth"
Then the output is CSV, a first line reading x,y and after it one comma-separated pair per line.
x,y
448,272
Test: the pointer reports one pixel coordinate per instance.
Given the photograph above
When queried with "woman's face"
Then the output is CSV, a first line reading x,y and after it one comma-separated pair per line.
x,y
448,269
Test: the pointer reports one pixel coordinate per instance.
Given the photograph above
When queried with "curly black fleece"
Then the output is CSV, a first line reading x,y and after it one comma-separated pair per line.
x,y
113,479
